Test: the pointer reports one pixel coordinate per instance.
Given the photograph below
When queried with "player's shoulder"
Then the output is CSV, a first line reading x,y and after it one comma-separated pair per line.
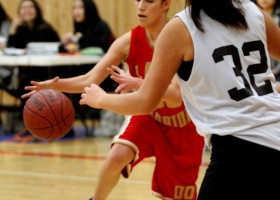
x,y
124,39
182,39
122,43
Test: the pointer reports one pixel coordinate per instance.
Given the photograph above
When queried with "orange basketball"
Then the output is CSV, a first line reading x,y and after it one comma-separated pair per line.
x,y
48,115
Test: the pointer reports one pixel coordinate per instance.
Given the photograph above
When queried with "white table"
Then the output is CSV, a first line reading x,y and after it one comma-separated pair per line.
x,y
48,60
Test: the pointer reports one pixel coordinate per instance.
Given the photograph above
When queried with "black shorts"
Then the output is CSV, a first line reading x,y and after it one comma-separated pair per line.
x,y
241,170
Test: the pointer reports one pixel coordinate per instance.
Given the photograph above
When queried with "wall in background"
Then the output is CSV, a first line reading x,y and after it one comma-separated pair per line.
x,y
120,14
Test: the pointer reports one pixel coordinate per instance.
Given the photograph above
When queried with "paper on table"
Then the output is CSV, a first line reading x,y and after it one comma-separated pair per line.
x,y
14,51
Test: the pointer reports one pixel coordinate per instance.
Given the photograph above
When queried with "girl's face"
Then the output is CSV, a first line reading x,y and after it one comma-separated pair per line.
x,y
266,4
150,12
27,11
78,11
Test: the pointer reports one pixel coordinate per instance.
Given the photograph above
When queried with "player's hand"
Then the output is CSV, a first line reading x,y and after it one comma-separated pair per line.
x,y
127,83
92,96
39,85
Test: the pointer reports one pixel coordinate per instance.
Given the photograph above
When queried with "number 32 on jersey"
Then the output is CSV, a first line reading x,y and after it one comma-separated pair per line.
x,y
253,69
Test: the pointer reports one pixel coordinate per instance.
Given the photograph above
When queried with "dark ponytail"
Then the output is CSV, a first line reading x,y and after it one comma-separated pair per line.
x,y
228,12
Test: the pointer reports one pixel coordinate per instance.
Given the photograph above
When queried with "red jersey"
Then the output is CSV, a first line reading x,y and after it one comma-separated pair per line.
x,y
174,115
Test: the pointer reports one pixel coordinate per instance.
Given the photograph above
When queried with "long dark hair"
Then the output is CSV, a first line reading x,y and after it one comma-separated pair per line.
x,y
39,15
92,16
223,11
3,14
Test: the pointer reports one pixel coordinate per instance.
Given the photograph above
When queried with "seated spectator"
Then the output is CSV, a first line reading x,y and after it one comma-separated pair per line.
x,y
5,72
90,30
30,26
5,22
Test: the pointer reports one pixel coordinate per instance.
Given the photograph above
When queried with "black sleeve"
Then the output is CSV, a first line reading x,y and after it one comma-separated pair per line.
x,y
46,33
43,33
19,39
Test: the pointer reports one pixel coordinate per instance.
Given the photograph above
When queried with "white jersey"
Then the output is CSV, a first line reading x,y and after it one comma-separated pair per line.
x,y
231,89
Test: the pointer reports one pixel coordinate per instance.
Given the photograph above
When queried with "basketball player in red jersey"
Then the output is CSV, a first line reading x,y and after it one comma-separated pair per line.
x,y
166,134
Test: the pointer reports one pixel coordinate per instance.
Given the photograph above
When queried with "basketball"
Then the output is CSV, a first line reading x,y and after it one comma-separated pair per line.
x,y
48,115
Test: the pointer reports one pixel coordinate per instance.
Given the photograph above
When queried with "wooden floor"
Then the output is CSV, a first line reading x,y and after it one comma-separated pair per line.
x,y
67,170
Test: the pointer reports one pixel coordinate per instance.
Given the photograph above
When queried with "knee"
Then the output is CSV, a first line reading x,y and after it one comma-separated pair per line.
x,y
119,156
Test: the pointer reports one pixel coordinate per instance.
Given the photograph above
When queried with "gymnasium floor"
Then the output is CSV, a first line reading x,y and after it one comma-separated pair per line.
x,y
66,169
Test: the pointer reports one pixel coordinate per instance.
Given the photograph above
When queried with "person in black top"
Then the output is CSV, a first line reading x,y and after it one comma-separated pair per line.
x,y
90,30
5,22
30,26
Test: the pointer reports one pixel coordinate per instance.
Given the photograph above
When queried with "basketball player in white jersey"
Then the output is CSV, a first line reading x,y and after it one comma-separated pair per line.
x,y
220,50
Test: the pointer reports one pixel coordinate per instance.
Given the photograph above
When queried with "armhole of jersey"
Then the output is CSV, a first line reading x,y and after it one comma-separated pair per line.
x,y
131,53
130,46
185,69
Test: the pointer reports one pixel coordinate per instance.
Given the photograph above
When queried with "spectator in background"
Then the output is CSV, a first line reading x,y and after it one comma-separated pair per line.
x,y
89,29
30,26
5,22
5,72
272,7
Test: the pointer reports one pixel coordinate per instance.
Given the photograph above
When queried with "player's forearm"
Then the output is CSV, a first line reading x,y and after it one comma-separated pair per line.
x,y
68,86
78,83
134,102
